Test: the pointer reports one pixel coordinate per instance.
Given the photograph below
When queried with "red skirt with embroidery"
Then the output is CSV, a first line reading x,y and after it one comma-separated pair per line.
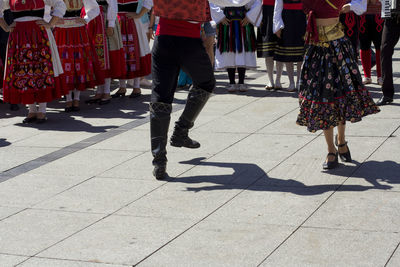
x,y
108,48
29,75
137,64
78,59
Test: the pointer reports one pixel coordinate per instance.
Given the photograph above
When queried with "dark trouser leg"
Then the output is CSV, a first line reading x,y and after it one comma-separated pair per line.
x,y
390,37
231,75
165,70
242,74
197,64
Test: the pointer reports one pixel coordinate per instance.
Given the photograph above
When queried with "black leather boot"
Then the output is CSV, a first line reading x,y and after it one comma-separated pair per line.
x,y
197,98
160,116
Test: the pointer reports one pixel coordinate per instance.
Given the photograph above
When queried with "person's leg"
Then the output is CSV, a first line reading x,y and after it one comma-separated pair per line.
x,y
32,113
340,141
376,37
107,89
165,69
269,63
298,69
196,63
122,88
68,102
365,47
136,88
75,102
390,37
279,70
331,160
232,84
41,115
242,75
290,72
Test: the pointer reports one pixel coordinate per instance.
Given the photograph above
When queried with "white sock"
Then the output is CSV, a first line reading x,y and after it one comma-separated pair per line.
x,y
100,89
42,107
136,83
122,83
32,108
290,71
279,69
68,96
107,86
269,63
77,95
298,65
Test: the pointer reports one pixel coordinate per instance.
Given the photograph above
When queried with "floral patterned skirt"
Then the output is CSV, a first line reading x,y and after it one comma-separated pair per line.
x,y
331,89
78,59
29,72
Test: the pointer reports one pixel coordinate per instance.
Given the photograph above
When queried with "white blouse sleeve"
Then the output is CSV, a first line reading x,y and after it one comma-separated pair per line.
x,y
112,11
58,7
358,6
148,4
92,9
217,13
4,5
277,20
255,12
224,3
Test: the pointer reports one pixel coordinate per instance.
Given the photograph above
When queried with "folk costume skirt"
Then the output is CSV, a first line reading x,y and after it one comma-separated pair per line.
x,y
77,56
266,39
331,88
290,47
32,66
109,49
136,47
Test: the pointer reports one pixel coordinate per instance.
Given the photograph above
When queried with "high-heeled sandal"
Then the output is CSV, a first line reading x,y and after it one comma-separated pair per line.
x,y
331,164
346,156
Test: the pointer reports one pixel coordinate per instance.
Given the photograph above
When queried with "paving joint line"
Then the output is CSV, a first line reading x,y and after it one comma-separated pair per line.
x,y
391,256
326,200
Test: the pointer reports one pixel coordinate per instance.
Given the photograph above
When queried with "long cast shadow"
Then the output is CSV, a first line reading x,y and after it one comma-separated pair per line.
x,y
244,176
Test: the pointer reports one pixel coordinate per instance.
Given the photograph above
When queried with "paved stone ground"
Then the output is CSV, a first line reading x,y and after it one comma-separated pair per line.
x,y
78,190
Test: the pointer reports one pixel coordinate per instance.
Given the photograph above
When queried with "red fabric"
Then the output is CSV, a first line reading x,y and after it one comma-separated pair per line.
x,y
189,10
268,2
366,62
178,28
1,73
78,59
23,5
378,63
110,65
320,9
133,66
294,6
29,71
374,8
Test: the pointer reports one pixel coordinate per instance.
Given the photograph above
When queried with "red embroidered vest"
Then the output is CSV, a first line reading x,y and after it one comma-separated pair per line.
x,y
26,5
190,10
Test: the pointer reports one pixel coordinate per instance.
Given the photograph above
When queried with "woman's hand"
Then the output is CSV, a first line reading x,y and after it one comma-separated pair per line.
x,y
279,33
345,9
110,31
44,24
225,21
10,27
245,21
133,15
80,21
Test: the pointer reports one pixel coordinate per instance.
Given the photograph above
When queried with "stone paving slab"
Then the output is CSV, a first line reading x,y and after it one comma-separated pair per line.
x,y
8,211
42,262
118,240
32,231
332,247
11,260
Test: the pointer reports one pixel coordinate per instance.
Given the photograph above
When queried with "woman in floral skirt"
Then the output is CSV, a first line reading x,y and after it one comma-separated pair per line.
x,y
331,90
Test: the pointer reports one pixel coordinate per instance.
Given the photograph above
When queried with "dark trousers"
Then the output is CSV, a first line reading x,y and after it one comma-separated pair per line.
x,y
351,22
172,53
390,37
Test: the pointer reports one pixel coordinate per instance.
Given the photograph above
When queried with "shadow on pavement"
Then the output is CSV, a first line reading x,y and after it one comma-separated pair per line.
x,y
245,176
4,142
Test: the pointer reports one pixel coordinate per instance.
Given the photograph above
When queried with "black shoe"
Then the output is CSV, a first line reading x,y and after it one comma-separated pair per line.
x,y
135,95
116,95
331,164
93,101
384,100
14,107
69,109
76,108
160,172
29,120
104,101
42,120
346,156
180,138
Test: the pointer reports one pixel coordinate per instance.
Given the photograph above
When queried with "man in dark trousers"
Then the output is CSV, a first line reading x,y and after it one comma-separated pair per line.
x,y
177,46
390,37
3,46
